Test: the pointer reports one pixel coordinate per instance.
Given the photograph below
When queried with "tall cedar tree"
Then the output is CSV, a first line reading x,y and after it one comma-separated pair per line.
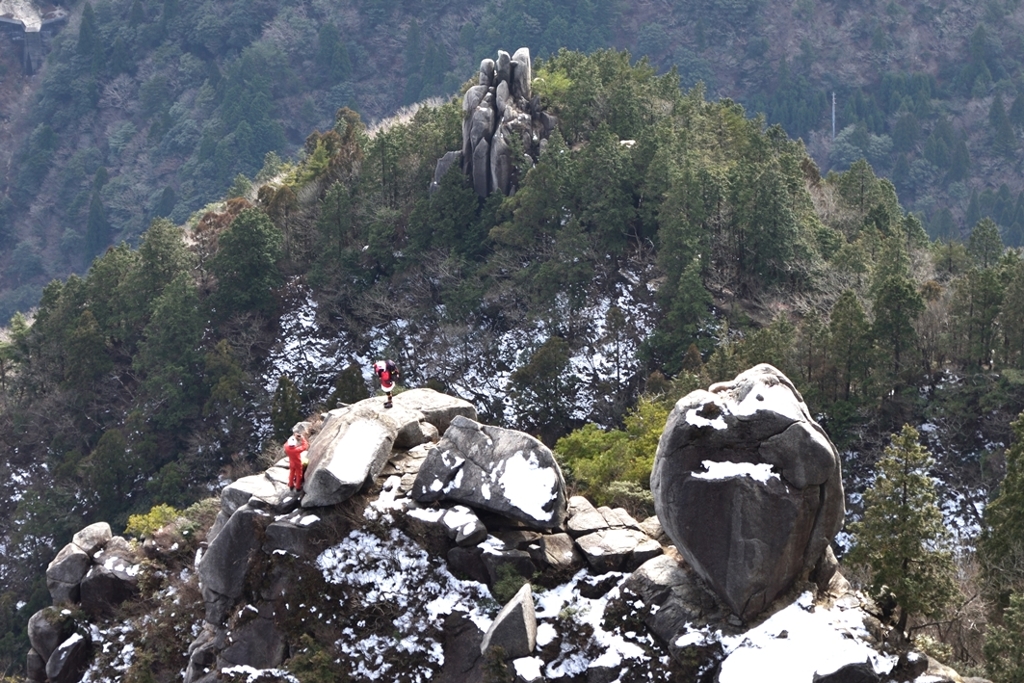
x,y
902,537
1001,547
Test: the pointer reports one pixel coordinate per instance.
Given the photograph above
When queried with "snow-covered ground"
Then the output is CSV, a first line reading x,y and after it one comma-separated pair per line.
x,y
476,365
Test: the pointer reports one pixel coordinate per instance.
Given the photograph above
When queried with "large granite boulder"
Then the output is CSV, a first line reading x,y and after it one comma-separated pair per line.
x,y
112,579
434,407
65,572
68,661
225,563
48,628
350,450
498,470
748,487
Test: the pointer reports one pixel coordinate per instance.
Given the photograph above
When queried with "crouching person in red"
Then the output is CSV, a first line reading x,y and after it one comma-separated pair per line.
x,y
294,447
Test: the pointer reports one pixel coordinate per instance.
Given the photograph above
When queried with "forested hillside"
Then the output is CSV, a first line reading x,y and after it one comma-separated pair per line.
x,y
660,241
153,108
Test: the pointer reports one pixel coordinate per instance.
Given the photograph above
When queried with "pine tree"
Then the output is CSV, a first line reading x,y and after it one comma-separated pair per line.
x,y
896,306
1004,648
850,343
902,537
985,244
1001,546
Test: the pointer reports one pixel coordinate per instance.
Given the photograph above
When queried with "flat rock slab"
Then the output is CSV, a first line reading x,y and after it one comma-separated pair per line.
x,y
502,471
614,550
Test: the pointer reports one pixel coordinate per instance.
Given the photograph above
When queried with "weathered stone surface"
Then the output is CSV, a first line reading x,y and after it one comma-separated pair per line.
x,y
585,519
111,580
202,653
502,67
447,161
514,630
522,74
501,163
502,98
481,169
349,451
487,72
292,534
93,537
35,667
613,550
223,566
267,486
468,562
48,628
674,597
748,487
499,470
257,643
559,552
65,572
68,661
462,660
436,408
518,561
463,526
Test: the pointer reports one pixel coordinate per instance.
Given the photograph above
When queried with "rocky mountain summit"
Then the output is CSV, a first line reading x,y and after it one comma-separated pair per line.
x,y
427,546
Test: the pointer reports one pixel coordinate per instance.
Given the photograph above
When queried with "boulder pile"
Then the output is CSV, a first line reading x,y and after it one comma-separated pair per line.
x,y
96,571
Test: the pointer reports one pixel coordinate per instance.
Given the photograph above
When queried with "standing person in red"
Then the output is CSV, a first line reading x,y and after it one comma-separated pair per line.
x,y
294,447
387,371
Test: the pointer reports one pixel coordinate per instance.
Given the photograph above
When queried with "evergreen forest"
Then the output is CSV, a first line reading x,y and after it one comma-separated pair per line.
x,y
220,182
154,108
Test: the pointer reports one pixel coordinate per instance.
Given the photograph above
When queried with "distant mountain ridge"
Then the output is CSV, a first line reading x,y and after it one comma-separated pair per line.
x,y
173,101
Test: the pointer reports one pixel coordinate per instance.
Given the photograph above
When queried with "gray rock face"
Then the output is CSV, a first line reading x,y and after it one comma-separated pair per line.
x,y
444,164
674,600
748,487
615,550
65,572
257,643
350,449
47,629
68,661
515,628
292,533
223,566
522,74
434,407
498,470
111,580
93,537
268,487
501,105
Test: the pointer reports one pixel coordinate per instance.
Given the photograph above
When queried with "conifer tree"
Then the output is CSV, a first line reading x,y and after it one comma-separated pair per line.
x,y
850,343
985,244
902,537
1001,546
1004,649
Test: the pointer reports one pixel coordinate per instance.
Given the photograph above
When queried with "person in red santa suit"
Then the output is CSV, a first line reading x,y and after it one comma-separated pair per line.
x,y
294,447
387,372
